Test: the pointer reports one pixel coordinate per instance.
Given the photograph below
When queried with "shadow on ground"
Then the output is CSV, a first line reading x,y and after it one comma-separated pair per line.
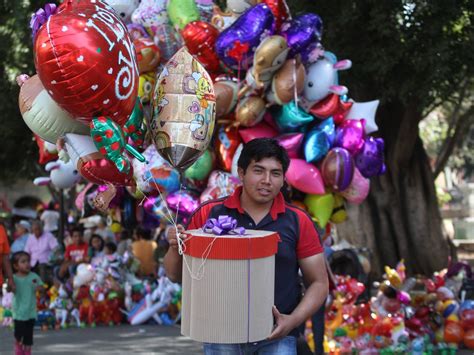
x,y
107,340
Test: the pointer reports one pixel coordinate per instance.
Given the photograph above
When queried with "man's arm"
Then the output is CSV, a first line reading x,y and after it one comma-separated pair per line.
x,y
173,262
316,282
8,272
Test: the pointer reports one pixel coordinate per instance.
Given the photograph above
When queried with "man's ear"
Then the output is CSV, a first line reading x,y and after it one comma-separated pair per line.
x,y
241,173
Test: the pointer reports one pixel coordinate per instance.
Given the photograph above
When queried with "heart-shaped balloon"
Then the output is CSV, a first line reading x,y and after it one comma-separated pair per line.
x,y
350,135
338,169
91,164
226,143
291,118
319,140
331,105
262,130
370,160
292,143
320,207
358,189
236,45
302,31
280,11
200,38
305,177
85,59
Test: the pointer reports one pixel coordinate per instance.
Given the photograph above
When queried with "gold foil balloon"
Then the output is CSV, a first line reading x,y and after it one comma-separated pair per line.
x,y
250,111
184,110
284,86
226,97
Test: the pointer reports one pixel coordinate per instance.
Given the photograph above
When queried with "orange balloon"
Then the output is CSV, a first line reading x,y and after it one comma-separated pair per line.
x,y
453,333
469,338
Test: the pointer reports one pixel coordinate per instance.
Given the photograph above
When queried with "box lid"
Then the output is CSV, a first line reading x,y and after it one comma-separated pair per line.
x,y
253,245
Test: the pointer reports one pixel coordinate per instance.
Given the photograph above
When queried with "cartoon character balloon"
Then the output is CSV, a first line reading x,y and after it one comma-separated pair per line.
x,y
220,184
62,175
85,59
42,114
183,110
124,8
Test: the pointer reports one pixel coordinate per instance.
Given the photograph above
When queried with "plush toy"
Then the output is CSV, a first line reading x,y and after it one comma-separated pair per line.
x,y
62,175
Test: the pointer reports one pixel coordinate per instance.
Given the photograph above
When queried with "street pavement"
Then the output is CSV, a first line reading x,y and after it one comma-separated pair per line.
x,y
124,339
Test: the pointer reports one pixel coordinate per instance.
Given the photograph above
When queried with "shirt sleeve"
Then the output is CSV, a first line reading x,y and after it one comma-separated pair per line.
x,y
4,246
53,243
200,216
308,241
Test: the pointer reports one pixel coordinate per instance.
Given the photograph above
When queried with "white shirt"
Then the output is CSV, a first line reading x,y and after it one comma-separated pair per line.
x,y
50,219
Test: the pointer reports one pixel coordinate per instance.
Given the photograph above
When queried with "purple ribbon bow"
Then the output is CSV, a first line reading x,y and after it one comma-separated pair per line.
x,y
41,16
223,225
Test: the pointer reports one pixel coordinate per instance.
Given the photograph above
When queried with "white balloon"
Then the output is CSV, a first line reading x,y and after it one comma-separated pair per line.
x,y
78,146
320,76
63,175
235,160
367,111
124,8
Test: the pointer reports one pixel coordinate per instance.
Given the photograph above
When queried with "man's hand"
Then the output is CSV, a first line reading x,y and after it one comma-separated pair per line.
x,y
284,325
11,287
172,236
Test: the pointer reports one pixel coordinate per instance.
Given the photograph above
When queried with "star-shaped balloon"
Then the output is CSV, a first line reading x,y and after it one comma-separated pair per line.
x,y
367,111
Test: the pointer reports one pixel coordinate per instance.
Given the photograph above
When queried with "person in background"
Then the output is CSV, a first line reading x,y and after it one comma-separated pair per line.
x,y
110,249
143,249
22,231
125,242
5,266
96,247
104,231
24,302
40,246
50,218
76,253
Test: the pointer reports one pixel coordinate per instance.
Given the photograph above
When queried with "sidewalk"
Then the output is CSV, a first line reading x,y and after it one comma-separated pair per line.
x,y
123,339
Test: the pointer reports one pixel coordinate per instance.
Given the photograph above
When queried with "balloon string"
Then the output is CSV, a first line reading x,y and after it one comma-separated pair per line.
x,y
294,83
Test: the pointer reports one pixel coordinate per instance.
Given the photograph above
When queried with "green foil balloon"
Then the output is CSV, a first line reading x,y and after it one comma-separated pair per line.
x,y
320,207
134,128
201,168
182,12
109,140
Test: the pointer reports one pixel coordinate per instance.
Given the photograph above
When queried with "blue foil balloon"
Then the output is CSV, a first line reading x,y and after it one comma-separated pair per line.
x,y
291,118
302,31
236,45
319,140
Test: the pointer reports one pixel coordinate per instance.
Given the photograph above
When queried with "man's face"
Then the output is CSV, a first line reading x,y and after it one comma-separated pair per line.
x,y
76,237
36,230
263,180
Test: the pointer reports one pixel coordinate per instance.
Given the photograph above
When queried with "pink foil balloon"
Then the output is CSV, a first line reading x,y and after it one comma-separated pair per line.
x,y
350,135
262,130
182,203
358,189
292,143
305,177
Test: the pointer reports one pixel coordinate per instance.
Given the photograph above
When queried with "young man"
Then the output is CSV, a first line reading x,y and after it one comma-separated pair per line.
x,y
259,204
76,253
40,245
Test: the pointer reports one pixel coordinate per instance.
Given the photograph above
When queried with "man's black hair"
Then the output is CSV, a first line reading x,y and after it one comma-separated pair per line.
x,y
143,233
261,148
97,236
77,229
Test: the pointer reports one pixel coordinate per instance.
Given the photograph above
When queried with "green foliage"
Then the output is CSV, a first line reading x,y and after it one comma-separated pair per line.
x,y
18,153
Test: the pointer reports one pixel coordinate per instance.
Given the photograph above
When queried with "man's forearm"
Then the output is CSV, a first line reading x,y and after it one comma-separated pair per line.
x,y
313,298
7,267
173,263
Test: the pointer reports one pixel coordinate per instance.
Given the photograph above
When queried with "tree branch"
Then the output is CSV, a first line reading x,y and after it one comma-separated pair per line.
x,y
456,139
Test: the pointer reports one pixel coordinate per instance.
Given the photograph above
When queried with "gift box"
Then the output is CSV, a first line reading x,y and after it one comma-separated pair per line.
x,y
228,286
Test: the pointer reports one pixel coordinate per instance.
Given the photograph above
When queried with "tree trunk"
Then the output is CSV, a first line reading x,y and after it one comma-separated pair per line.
x,y
400,218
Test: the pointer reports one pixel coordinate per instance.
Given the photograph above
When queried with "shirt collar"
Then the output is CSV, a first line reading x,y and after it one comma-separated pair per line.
x,y
233,201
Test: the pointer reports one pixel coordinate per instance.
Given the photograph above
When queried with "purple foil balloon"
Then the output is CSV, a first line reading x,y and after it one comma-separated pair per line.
x,y
236,45
370,160
302,31
117,200
154,206
338,169
350,135
182,203
292,143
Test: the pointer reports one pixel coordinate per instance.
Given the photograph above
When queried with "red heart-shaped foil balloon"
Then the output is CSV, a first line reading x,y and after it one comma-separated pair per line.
x,y
85,59
99,170
200,38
